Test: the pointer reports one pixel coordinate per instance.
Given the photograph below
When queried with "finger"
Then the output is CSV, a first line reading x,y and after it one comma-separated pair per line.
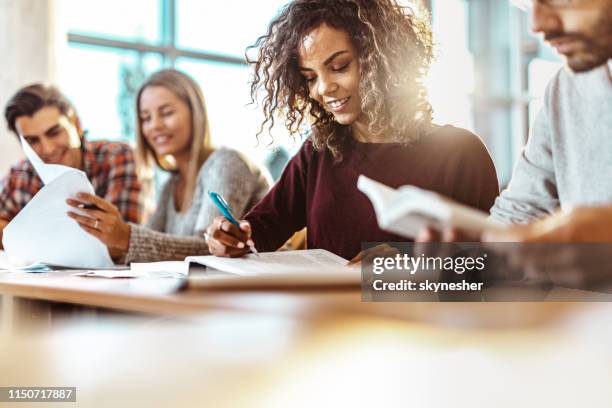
x,y
226,226
95,213
246,227
383,251
84,207
449,235
220,236
97,201
388,253
218,249
369,257
455,235
74,203
505,235
546,237
237,253
425,235
356,259
93,223
81,219
92,231
223,238
215,248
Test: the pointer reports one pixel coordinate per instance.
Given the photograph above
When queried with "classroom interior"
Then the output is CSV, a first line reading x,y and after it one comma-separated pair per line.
x,y
149,343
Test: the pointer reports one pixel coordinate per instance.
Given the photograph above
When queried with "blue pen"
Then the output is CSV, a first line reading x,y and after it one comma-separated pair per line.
x,y
223,207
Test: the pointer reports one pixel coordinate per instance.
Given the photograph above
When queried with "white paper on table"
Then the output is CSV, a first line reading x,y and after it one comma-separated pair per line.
x,y
177,267
165,269
9,264
108,273
42,232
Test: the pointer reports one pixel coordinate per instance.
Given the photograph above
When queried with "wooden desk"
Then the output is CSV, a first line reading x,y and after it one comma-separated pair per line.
x,y
306,348
29,300
158,297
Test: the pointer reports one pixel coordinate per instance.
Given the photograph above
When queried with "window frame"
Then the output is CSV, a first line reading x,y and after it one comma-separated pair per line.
x,y
167,47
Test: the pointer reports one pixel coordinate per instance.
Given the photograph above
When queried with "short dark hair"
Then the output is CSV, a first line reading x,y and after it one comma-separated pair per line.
x,y
32,98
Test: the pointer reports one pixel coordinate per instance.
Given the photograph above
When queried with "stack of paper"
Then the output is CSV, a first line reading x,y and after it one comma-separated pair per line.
x,y
42,232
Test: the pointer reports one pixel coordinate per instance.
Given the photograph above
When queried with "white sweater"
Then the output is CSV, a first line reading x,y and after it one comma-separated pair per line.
x,y
568,158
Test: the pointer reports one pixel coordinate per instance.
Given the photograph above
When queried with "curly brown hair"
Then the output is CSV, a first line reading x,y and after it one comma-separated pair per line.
x,y
394,44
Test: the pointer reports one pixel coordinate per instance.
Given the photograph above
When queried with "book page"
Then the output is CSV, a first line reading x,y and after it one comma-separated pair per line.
x,y
271,263
409,209
381,196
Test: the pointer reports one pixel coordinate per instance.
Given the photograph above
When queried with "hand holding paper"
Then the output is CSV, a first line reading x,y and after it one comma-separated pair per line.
x,y
43,232
101,219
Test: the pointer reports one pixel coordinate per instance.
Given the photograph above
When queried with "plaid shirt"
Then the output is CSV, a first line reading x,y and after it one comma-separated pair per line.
x,y
109,166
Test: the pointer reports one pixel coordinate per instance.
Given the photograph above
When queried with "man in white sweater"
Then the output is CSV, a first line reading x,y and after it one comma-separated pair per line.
x,y
567,162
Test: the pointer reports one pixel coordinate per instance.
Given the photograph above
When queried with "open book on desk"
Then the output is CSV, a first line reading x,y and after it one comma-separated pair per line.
x,y
409,209
309,267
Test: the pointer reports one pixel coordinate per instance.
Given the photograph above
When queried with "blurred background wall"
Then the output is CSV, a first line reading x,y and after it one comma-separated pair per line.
x,y
27,47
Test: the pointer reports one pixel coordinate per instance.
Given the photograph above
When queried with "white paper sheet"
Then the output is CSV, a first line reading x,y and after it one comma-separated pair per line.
x,y
178,267
46,172
9,264
42,232
165,269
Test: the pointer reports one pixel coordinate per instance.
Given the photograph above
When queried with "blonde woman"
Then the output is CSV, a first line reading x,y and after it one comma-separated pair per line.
x,y
173,133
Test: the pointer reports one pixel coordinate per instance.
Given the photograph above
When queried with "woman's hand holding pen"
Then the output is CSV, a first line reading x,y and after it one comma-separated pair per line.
x,y
226,239
102,220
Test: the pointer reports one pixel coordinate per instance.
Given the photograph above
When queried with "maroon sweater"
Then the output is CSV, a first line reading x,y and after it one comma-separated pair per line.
x,y
317,193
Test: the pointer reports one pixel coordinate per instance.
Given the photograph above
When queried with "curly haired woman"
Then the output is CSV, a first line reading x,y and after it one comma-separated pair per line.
x,y
352,70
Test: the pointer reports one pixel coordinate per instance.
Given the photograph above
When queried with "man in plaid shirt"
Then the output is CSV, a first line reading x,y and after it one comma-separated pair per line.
x,y
49,123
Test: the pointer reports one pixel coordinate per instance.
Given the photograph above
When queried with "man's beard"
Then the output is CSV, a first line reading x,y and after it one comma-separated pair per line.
x,y
587,60
596,47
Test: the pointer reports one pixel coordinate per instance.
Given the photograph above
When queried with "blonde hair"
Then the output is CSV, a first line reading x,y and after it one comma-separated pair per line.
x,y
188,91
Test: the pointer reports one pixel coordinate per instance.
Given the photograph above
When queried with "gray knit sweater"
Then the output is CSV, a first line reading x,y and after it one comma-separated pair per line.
x,y
173,235
568,158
